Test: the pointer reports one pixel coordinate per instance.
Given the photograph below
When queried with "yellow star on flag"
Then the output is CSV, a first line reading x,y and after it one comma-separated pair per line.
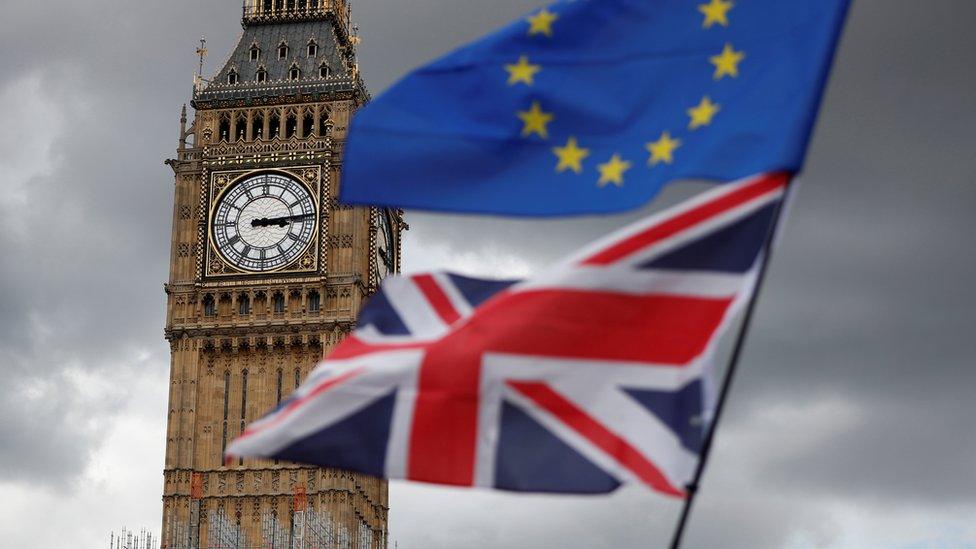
x,y
571,156
727,62
535,121
541,23
613,171
523,71
716,11
702,114
663,149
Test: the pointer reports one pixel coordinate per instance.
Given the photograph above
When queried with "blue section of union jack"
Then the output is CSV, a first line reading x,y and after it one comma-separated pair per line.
x,y
592,374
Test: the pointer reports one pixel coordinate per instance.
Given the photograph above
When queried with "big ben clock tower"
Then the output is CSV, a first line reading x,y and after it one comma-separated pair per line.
x,y
268,271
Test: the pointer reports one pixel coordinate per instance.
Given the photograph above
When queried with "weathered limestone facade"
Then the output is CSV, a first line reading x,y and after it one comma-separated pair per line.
x,y
241,341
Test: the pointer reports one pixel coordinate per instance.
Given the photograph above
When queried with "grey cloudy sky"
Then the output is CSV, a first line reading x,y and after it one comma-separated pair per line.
x,y
850,426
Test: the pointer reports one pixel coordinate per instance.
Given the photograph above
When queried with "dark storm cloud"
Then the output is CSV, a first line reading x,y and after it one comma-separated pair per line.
x,y
857,383
86,247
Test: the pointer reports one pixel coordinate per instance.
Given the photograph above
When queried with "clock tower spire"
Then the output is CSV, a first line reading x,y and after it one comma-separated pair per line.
x,y
267,272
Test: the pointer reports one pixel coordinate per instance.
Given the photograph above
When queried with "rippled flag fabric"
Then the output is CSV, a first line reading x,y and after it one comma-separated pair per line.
x,y
592,106
589,375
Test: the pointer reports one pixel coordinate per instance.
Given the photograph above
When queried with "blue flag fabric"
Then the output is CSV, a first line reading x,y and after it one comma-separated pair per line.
x,y
591,106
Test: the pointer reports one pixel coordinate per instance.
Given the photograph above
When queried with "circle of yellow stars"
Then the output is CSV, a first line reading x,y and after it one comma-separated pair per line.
x,y
661,151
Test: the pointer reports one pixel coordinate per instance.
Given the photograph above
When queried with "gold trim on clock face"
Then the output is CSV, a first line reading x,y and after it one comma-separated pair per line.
x,y
264,222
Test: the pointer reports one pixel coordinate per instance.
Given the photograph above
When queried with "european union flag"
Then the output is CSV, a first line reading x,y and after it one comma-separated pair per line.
x,y
592,106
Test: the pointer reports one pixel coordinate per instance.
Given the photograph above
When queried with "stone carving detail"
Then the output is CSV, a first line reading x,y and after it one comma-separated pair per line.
x,y
340,241
334,204
264,147
307,261
216,266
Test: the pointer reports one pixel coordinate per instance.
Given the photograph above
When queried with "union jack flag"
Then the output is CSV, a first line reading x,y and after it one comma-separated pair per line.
x,y
592,374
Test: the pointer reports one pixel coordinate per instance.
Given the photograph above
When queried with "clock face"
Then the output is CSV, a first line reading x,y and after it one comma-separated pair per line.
x,y
264,222
385,246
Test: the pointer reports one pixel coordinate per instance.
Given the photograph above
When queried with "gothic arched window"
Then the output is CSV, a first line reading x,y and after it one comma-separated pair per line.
x,y
278,302
261,75
243,408
275,126
313,48
224,129
243,398
244,305
324,71
314,302
255,52
232,77
283,51
241,126
257,126
291,126
209,306
294,73
223,444
280,379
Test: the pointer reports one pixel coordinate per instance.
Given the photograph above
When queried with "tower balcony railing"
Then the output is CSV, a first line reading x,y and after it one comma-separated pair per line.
x,y
278,11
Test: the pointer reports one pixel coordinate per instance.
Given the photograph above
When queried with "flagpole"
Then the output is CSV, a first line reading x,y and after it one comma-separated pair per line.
x,y
692,488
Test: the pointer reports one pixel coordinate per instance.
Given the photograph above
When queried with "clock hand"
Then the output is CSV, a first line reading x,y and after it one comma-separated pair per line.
x,y
284,221
278,221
